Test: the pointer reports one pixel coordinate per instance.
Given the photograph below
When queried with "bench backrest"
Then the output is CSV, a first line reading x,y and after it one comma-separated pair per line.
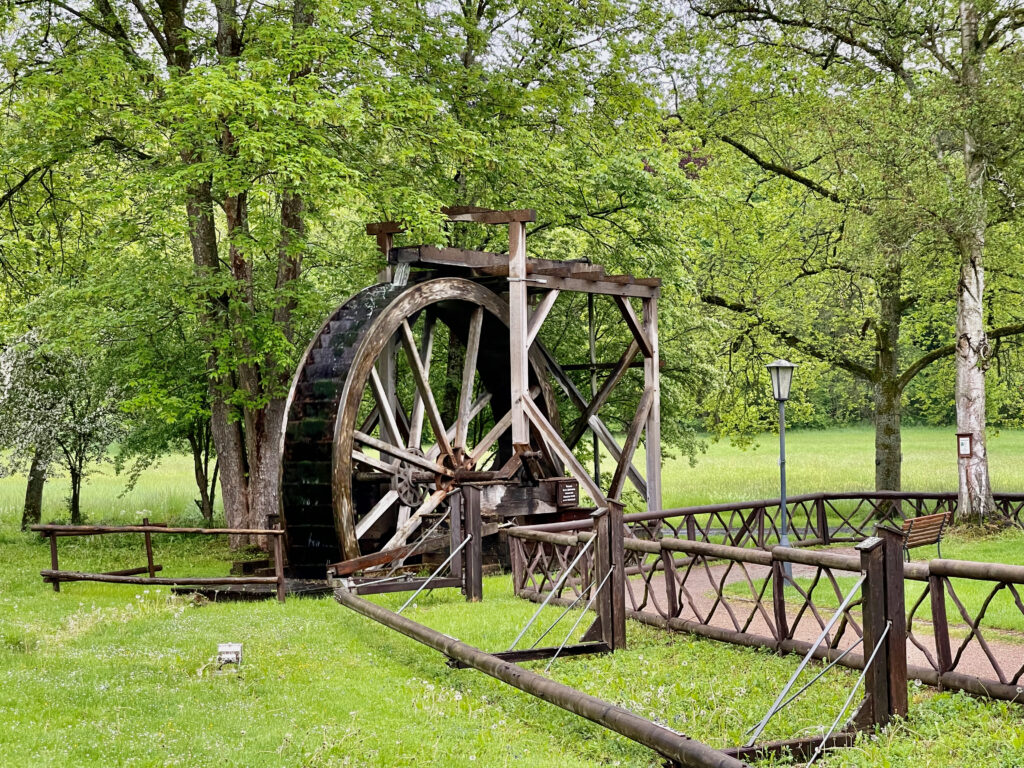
x,y
919,531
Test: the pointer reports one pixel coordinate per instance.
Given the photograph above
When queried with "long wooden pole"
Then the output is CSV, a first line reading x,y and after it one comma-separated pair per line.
x,y
674,746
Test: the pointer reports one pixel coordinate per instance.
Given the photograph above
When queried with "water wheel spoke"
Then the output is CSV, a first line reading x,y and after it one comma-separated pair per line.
x,y
479,405
499,428
426,353
388,422
366,522
409,526
423,385
401,453
373,463
468,376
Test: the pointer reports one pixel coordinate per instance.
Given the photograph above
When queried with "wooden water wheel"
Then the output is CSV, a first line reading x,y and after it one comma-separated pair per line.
x,y
436,382
403,394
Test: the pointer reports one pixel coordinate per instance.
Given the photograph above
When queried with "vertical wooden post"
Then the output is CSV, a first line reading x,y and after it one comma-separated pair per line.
x,y
149,550
668,563
53,560
455,523
819,507
779,602
474,581
652,375
279,565
518,558
876,684
602,564
896,613
940,625
517,325
691,528
592,342
617,581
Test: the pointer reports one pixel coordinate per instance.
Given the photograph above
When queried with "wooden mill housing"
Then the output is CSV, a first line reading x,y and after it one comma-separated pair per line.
x,y
371,468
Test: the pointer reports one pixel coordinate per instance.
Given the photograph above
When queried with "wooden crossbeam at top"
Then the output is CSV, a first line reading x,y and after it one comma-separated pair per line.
x,y
461,213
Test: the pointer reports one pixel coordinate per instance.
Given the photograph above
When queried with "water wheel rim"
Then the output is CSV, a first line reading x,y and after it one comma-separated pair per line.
x,y
378,332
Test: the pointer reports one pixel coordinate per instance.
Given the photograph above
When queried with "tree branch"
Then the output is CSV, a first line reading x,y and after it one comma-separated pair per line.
x,y
782,170
937,354
792,340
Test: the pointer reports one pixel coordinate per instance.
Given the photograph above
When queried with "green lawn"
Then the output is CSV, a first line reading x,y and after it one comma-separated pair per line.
x,y
832,460
109,675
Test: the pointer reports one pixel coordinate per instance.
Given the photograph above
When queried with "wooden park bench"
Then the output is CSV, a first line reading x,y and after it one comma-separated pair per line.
x,y
924,531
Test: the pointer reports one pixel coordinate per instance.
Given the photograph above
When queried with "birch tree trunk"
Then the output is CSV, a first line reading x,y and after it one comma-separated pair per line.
x,y
972,353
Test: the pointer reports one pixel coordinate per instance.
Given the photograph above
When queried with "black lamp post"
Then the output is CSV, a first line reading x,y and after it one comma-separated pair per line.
x,y
781,372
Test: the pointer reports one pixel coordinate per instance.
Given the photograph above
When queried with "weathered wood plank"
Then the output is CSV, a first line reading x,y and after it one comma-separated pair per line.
x,y
638,330
630,443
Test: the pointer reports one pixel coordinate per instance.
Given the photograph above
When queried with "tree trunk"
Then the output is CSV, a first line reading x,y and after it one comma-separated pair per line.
x,y
75,503
888,441
199,439
263,442
33,511
888,391
972,343
227,437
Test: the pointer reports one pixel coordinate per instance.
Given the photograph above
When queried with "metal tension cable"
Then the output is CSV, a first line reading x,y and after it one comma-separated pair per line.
x,y
554,589
439,568
835,723
757,729
590,602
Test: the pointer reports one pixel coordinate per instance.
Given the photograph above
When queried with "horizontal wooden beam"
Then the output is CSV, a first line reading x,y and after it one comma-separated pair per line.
x,y
384,228
347,567
800,749
487,215
51,575
93,530
540,272
536,654
376,587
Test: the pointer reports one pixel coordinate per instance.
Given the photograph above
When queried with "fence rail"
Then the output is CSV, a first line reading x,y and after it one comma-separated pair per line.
x,y
54,575
964,620
815,519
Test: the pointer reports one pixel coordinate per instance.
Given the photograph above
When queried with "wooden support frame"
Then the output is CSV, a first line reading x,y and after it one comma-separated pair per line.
x,y
54,575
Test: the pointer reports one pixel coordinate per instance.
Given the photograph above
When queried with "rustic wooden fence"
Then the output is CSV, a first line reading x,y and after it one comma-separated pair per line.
x,y
55,575
955,611
816,519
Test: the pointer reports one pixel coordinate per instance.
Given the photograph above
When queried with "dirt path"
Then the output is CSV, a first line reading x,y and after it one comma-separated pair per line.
x,y
700,598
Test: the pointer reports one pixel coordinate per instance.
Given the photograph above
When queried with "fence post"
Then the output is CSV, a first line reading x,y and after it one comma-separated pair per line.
x,y
617,581
668,564
940,625
455,524
53,560
779,603
279,564
474,550
602,564
896,613
876,684
518,558
149,550
691,528
819,506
